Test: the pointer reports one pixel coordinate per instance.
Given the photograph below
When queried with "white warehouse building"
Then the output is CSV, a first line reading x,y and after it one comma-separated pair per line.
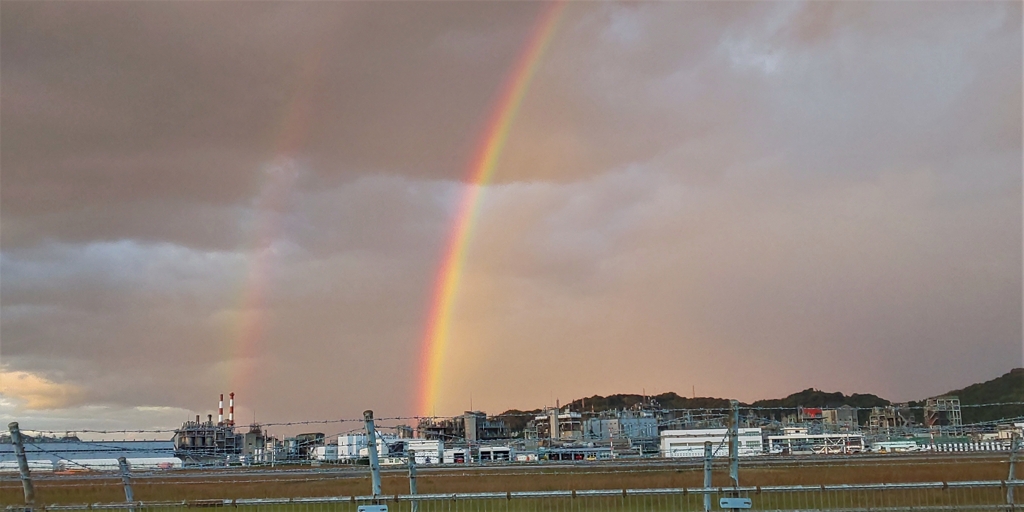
x,y
73,454
325,453
428,451
690,443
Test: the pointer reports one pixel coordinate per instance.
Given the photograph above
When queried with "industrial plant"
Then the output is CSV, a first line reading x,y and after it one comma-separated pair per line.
x,y
569,433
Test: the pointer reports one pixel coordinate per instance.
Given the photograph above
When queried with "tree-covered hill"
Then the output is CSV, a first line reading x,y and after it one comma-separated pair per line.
x,y
816,398
1007,388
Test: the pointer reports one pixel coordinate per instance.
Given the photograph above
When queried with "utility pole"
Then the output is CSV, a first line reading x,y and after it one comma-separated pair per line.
x,y
371,439
412,479
734,442
19,452
126,479
1014,448
708,453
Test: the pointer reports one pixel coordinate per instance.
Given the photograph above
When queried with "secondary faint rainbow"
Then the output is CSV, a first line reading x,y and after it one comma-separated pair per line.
x,y
480,172
278,176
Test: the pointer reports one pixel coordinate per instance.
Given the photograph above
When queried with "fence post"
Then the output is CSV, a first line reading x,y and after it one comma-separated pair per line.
x,y
707,474
371,439
19,452
1014,447
412,478
126,479
734,444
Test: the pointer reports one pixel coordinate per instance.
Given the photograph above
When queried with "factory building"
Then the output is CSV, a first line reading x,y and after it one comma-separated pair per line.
x,y
325,453
478,427
254,444
796,440
843,417
387,446
1007,431
457,456
942,415
890,418
577,453
270,452
690,443
349,446
472,426
624,429
352,447
209,443
621,425
495,453
72,454
305,443
555,427
428,451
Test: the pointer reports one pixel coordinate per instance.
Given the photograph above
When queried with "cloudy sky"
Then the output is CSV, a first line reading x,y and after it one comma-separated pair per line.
x,y
741,199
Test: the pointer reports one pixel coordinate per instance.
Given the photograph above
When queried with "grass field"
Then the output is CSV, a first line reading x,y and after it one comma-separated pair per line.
x,y
347,481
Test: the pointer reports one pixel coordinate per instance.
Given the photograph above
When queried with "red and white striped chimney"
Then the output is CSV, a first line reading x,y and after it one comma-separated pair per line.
x,y
220,410
231,410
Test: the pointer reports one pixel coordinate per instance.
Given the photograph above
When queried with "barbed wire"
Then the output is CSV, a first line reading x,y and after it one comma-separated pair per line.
x,y
296,466
429,425
107,447
520,414
124,448
360,473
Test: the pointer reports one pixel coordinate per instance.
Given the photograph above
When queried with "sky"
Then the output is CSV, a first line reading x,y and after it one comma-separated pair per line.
x,y
730,199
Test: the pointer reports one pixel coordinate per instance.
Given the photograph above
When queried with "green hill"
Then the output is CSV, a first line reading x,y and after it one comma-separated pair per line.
x,y
517,420
1007,388
816,398
669,400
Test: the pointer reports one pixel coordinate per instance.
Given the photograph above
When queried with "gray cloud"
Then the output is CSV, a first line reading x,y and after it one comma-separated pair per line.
x,y
823,194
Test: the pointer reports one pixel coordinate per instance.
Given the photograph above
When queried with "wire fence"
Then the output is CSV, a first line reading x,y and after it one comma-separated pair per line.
x,y
974,471
925,482
927,496
1012,411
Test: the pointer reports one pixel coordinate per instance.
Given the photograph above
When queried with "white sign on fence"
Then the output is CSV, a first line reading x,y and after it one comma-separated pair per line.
x,y
734,503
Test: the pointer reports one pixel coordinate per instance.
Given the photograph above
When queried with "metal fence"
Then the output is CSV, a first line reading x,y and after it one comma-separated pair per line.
x,y
930,496
973,488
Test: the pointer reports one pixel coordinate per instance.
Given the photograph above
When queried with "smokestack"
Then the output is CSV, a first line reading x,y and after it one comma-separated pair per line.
x,y
197,419
231,409
220,410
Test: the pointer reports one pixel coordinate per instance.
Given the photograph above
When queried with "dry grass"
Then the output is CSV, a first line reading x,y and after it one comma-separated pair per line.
x,y
355,481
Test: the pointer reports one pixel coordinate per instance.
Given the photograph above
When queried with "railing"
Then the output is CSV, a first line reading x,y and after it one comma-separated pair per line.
x,y
991,495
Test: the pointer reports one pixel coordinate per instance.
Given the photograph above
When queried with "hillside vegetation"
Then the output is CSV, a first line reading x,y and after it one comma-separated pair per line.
x,y
1007,388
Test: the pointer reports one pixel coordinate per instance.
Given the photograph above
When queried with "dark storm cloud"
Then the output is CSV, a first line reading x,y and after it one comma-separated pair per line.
x,y
828,194
106,104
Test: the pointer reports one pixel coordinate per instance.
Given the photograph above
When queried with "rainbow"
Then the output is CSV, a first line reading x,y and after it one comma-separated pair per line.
x,y
279,174
481,170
